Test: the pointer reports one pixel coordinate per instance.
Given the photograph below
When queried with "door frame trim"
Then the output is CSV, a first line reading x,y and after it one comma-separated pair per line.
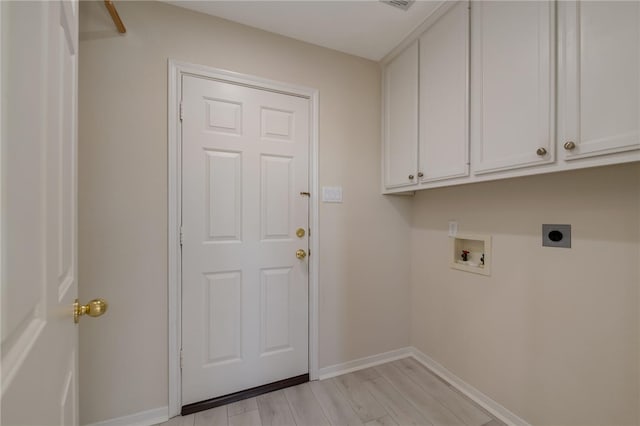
x,y
176,70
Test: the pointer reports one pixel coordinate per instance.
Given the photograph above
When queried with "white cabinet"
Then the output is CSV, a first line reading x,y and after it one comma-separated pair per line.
x,y
438,82
444,131
599,78
452,116
401,119
512,84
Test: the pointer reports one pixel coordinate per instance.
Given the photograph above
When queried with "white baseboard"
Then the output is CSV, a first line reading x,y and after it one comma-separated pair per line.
x,y
362,363
474,394
143,418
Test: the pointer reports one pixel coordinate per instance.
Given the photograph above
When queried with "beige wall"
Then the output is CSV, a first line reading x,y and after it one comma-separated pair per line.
x,y
553,334
364,253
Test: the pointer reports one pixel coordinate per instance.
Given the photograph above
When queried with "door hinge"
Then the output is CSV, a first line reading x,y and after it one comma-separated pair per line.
x,y
181,236
181,113
181,359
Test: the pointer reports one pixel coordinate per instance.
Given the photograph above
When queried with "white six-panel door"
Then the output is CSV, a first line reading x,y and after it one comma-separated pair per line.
x,y
244,292
39,280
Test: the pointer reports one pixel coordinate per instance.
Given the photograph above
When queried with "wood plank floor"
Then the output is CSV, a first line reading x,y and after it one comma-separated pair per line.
x,y
397,393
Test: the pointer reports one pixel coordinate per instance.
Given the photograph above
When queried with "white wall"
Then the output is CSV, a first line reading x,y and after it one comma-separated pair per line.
x,y
552,334
364,253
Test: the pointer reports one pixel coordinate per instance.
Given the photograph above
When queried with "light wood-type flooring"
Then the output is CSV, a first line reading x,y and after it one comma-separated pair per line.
x,y
402,392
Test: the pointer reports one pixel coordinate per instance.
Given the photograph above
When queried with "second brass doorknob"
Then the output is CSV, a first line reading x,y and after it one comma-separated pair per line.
x,y
301,254
95,308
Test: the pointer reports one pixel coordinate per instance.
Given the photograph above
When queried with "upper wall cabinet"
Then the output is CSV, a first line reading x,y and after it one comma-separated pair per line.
x,y
444,77
599,78
401,119
512,84
434,73
502,122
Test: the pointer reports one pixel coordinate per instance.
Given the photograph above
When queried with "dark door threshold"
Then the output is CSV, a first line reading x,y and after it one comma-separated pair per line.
x,y
248,393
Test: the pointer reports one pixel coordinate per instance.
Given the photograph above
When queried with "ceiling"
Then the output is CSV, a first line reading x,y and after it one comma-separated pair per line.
x,y
366,28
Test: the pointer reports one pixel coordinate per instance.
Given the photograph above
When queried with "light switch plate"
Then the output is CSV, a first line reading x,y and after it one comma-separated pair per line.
x,y
453,228
332,194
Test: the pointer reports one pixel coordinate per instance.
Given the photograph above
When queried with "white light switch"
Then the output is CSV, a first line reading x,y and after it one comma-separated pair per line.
x,y
332,194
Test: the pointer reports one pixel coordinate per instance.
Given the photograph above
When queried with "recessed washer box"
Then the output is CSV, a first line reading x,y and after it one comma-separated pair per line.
x,y
471,253
556,236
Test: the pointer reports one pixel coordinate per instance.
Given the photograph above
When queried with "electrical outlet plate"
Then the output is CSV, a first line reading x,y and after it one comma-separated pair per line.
x,y
556,236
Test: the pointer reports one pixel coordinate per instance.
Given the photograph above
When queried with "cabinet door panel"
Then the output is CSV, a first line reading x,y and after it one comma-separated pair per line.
x,y
401,119
444,131
512,84
600,77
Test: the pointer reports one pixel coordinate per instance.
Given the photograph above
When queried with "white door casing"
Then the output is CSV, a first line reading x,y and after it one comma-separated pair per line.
x,y
245,161
39,262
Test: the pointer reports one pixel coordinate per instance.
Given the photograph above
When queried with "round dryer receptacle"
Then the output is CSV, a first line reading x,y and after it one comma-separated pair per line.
x,y
555,236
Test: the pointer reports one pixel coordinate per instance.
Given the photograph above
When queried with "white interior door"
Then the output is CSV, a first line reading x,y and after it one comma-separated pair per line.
x,y
244,292
39,338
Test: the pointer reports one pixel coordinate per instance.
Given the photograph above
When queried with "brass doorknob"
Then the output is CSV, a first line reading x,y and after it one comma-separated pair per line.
x,y
569,145
301,254
95,308
541,151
